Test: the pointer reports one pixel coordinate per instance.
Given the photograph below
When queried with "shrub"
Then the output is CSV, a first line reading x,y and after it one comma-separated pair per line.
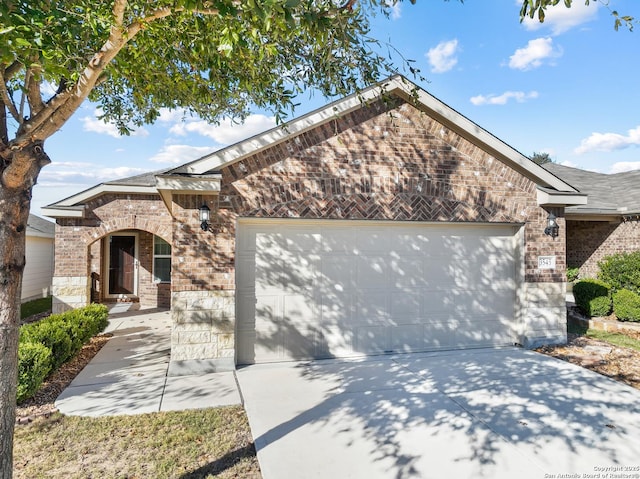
x,y
34,363
92,319
51,333
626,305
621,271
44,346
572,274
593,297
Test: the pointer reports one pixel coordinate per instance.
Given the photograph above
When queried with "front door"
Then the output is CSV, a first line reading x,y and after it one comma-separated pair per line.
x,y
122,265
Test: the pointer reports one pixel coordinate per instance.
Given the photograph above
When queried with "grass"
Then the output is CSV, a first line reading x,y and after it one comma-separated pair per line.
x,y
36,306
192,444
615,338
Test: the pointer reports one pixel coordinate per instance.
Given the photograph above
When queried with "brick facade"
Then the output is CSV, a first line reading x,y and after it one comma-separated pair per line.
x,y
80,249
588,242
381,162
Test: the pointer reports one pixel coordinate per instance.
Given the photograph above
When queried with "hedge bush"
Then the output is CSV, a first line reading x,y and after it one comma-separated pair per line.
x,y
593,297
34,363
51,333
626,305
61,336
621,271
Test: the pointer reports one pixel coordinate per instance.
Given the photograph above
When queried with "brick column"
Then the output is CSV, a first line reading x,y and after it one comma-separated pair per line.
x,y
203,295
71,284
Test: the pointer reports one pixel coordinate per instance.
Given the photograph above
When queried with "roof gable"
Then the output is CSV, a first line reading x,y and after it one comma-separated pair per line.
x,y
397,86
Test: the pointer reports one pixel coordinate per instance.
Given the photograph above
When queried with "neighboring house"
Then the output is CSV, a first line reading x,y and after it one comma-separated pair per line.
x,y
608,224
372,225
38,270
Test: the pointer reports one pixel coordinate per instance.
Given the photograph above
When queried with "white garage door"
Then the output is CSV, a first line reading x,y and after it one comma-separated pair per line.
x,y
344,288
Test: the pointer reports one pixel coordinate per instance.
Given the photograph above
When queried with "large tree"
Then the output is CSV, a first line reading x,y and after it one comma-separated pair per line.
x,y
211,58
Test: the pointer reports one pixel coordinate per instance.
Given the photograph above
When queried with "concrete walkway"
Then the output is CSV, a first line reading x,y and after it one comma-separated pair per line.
x,y
129,374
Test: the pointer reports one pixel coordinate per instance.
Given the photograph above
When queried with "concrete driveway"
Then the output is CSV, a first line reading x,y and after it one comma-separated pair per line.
x,y
505,413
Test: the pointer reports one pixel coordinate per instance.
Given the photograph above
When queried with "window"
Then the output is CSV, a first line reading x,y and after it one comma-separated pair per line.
x,y
161,261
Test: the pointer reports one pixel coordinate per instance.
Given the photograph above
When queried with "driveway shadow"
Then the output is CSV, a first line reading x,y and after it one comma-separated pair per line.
x,y
484,413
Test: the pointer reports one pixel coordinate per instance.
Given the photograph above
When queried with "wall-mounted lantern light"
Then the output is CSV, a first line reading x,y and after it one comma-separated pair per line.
x,y
204,217
552,226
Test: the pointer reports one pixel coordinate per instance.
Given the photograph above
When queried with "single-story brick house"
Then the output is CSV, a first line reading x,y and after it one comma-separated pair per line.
x,y
379,223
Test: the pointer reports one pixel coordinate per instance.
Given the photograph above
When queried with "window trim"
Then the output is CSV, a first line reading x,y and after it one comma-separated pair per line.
x,y
156,280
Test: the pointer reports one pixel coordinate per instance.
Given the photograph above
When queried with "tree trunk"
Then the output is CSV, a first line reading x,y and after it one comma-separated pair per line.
x,y
17,177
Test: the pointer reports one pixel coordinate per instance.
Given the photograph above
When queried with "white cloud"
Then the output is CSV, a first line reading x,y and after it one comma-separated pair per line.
x,y
68,173
533,55
394,9
609,141
622,166
93,124
176,154
518,96
442,57
172,116
560,18
227,132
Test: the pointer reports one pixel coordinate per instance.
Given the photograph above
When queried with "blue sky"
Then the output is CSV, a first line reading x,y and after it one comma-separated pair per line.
x,y
568,87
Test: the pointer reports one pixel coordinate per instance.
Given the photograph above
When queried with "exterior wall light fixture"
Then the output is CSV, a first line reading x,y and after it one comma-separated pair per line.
x,y
205,213
552,226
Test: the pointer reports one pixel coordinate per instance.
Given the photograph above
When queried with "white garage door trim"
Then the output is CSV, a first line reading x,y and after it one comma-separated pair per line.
x,y
309,289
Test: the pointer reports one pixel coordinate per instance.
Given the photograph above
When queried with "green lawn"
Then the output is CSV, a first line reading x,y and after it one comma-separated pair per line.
x,y
36,306
614,338
192,444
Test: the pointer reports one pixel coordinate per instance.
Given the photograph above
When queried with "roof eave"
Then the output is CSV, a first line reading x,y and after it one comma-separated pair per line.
x,y
549,197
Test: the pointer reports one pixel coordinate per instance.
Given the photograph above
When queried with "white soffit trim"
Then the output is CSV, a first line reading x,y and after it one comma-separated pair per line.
x,y
53,212
167,185
548,198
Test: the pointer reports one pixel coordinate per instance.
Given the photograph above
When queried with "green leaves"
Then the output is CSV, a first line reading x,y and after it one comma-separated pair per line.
x,y
213,58
532,7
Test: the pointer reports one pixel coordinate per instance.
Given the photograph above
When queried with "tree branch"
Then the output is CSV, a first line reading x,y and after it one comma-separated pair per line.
x,y
60,108
34,95
11,70
8,101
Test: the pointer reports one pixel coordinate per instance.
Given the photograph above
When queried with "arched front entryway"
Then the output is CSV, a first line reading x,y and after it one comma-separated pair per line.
x,y
131,269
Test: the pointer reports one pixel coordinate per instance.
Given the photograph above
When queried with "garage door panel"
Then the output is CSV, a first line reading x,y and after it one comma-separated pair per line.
x,y
338,341
372,271
339,241
267,311
371,340
406,338
405,304
407,272
372,306
299,309
373,240
337,273
406,242
300,240
440,334
338,289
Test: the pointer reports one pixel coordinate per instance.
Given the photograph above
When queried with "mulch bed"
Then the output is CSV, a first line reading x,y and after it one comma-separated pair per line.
x,y
621,364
